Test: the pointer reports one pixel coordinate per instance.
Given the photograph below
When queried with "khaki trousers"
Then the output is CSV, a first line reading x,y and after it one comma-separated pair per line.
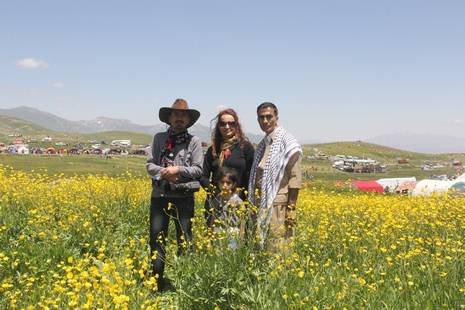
x,y
282,224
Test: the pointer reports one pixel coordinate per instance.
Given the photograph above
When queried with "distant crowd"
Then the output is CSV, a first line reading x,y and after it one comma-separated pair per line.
x,y
23,150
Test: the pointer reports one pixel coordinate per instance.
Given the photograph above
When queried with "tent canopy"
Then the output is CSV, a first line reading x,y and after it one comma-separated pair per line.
x,y
368,186
459,187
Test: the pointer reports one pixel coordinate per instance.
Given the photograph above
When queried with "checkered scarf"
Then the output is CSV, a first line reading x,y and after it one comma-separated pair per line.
x,y
284,145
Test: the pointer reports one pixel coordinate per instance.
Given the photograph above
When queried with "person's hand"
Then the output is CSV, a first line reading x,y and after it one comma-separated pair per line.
x,y
171,174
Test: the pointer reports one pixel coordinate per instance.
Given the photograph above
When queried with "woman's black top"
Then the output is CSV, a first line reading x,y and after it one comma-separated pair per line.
x,y
241,160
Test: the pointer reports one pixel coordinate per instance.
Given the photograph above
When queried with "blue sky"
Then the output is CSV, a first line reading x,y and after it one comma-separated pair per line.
x,y
338,70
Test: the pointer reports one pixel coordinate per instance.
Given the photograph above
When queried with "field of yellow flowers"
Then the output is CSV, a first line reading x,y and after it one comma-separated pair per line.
x,y
82,242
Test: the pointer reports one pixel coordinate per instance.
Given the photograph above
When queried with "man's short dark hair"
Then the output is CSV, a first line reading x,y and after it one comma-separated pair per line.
x,y
265,105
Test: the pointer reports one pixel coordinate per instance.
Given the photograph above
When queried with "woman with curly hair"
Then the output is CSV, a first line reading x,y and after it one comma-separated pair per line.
x,y
230,148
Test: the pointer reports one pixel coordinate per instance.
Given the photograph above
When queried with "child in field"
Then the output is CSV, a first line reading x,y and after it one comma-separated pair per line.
x,y
226,206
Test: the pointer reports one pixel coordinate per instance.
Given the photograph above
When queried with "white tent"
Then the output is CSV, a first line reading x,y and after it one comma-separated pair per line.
x,y
22,149
390,184
427,187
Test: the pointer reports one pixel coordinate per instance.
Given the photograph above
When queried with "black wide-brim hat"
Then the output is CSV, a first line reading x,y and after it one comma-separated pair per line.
x,y
178,105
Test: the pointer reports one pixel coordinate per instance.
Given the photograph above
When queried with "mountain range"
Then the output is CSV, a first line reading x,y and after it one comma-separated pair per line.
x,y
99,124
423,143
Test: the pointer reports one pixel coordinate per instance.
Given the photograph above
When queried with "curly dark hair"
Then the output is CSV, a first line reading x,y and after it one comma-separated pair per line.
x,y
217,139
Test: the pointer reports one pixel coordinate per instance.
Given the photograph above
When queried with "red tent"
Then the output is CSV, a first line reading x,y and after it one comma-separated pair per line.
x,y
368,186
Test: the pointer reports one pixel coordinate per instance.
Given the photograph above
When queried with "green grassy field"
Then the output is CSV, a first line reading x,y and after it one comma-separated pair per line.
x,y
76,165
318,170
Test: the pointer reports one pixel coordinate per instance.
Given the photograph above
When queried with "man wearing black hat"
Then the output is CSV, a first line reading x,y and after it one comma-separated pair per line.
x,y
175,164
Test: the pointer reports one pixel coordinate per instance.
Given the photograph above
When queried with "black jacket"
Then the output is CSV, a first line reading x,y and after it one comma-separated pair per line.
x,y
241,160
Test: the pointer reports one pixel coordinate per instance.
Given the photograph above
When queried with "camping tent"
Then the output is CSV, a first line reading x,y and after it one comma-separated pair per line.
x,y
391,184
427,187
368,186
458,188
406,187
50,151
22,149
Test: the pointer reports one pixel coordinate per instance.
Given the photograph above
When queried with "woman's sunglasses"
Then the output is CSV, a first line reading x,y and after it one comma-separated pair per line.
x,y
231,124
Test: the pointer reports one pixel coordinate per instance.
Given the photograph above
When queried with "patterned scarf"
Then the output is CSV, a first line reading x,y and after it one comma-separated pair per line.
x,y
226,150
284,145
167,153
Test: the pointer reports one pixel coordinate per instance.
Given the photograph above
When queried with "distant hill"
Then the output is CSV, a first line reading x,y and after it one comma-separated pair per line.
x,y
381,153
57,123
44,119
40,122
10,125
424,143
100,124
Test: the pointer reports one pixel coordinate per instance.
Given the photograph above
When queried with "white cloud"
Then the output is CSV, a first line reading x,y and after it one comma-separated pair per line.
x,y
31,63
221,107
58,84
458,121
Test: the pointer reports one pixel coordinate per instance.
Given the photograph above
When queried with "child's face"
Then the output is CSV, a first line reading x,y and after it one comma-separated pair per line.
x,y
226,185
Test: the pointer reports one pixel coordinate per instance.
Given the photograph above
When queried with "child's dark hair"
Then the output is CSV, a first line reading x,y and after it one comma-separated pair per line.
x,y
231,174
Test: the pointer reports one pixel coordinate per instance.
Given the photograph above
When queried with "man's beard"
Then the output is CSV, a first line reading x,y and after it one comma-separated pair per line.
x,y
180,126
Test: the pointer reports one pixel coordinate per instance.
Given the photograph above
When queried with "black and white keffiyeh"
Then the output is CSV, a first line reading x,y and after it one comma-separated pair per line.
x,y
283,146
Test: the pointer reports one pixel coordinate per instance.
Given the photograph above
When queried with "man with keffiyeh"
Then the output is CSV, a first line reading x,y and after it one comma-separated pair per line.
x,y
275,179
175,164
